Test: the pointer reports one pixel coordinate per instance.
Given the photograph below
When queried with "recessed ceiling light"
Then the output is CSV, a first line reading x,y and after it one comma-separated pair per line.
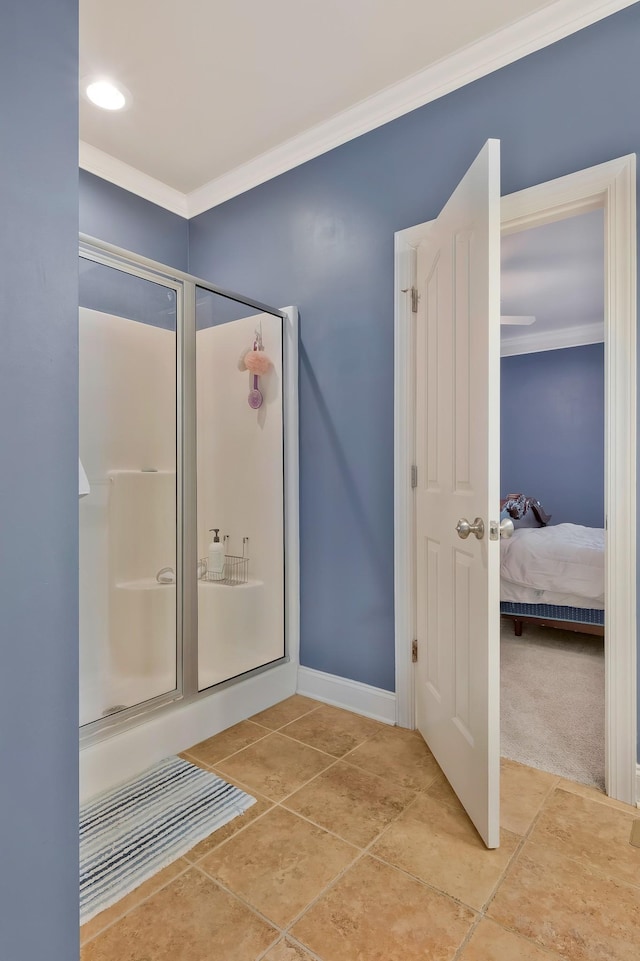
x,y
106,94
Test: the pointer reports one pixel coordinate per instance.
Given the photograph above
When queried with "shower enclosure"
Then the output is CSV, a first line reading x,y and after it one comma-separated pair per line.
x,y
188,438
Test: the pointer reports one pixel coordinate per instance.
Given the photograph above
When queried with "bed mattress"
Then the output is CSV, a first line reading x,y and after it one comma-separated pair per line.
x,y
529,595
562,565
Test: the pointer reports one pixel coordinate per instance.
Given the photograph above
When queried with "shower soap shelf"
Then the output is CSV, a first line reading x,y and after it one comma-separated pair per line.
x,y
235,571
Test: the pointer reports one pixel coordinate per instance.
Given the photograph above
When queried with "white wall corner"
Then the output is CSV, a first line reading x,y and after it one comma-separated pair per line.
x,y
638,785
351,695
117,172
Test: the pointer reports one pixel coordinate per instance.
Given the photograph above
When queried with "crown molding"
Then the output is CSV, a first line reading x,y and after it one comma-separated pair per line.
x,y
117,172
504,46
553,340
478,59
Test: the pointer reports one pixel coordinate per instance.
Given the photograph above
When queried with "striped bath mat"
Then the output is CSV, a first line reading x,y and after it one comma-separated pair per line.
x,y
131,832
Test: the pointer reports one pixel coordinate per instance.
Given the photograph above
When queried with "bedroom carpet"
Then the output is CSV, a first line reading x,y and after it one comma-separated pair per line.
x,y
552,710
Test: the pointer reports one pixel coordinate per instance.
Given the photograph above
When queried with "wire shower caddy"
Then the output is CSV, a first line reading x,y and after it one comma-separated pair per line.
x,y
235,570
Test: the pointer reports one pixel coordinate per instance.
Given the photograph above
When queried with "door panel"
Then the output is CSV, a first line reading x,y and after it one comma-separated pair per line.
x,y
457,445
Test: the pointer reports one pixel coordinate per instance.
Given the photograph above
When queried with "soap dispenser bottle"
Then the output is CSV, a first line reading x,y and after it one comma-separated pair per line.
x,y
216,553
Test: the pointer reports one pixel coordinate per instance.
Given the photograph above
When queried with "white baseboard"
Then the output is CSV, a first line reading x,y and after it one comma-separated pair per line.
x,y
106,763
352,695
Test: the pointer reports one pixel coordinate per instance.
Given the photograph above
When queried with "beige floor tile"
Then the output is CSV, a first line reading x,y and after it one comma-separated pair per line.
x,y
591,833
228,830
194,761
439,845
287,951
279,864
375,913
186,921
399,755
285,712
490,942
351,802
332,730
522,793
568,908
594,794
275,766
221,745
129,901
440,790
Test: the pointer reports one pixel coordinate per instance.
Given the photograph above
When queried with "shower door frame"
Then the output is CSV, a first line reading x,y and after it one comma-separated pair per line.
x,y
185,286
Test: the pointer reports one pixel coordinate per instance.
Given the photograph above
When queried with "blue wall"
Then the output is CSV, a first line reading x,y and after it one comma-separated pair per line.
x,y
118,217
39,481
552,431
321,236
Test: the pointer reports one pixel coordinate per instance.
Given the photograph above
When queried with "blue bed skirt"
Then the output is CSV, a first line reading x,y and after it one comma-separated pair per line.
x,y
576,615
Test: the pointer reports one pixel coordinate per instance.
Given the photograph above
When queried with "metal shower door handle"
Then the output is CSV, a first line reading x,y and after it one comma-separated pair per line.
x,y
464,528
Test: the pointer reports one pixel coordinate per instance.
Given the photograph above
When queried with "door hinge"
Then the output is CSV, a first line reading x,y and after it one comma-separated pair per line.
x,y
414,476
415,297
414,651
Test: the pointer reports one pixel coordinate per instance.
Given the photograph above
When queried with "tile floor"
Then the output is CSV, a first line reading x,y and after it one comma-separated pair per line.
x,y
358,850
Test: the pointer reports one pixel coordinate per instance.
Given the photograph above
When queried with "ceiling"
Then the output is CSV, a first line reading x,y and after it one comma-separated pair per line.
x,y
217,87
216,84
555,273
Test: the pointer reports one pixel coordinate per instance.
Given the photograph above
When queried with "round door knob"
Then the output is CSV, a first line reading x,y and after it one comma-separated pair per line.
x,y
464,528
506,527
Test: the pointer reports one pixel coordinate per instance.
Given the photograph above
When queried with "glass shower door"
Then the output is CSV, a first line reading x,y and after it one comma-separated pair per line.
x,y
128,541
240,488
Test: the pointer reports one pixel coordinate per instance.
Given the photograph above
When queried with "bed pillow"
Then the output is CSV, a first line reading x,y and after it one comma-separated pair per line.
x,y
524,511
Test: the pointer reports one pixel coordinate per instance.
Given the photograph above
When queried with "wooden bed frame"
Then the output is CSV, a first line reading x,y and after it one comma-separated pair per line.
x,y
578,627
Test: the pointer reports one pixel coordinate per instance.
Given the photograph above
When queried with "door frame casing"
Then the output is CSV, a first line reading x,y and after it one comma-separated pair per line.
x,y
609,186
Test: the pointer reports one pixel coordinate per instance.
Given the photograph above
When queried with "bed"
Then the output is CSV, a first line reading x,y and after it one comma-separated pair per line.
x,y
551,575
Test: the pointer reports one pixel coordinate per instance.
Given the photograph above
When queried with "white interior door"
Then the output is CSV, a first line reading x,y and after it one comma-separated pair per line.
x,y
458,457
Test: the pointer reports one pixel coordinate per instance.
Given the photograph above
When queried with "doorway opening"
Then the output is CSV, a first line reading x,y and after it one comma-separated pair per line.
x,y
552,455
610,188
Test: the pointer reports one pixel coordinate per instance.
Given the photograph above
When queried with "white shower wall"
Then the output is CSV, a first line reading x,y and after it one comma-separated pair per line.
x,y
127,425
142,611
241,492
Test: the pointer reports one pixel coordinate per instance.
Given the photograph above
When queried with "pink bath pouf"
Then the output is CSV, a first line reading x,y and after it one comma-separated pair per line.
x,y
257,362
